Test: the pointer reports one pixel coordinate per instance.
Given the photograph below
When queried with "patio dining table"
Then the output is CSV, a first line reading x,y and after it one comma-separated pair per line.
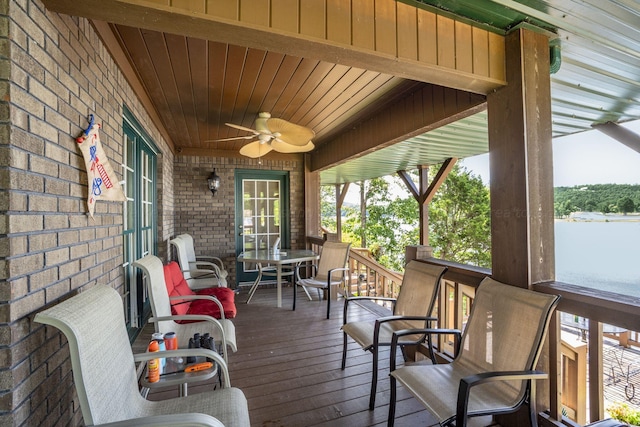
x,y
277,259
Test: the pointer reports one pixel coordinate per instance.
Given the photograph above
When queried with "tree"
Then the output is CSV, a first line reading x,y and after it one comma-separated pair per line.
x,y
328,207
626,205
459,220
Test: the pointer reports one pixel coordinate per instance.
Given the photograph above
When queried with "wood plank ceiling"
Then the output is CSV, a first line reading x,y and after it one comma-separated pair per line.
x,y
197,86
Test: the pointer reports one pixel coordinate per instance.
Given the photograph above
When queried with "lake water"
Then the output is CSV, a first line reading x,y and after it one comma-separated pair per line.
x,y
598,254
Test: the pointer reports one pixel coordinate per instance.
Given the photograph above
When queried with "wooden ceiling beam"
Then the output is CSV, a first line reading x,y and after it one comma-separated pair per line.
x,y
416,114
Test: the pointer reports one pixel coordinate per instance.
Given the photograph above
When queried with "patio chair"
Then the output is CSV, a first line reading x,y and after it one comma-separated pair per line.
x,y
105,377
494,369
330,271
412,309
222,330
197,278
203,261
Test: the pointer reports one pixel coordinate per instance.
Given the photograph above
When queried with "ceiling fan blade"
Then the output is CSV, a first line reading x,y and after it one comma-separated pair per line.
x,y
283,147
290,133
231,139
255,149
253,131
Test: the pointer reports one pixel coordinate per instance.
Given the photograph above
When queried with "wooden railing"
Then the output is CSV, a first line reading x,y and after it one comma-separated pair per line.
x,y
602,310
571,361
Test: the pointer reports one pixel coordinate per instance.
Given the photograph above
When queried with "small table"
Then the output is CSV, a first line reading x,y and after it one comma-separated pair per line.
x,y
174,375
278,259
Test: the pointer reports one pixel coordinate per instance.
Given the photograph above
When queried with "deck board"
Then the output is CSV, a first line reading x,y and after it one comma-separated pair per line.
x,y
288,366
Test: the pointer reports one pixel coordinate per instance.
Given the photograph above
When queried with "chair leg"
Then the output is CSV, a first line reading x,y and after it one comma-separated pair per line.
x,y
295,291
307,292
328,301
392,403
344,350
374,378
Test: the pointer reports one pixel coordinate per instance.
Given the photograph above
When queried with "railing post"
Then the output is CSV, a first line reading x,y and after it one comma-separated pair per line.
x,y
596,387
412,252
574,378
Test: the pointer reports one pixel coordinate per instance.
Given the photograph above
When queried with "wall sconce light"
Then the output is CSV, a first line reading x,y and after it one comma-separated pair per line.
x,y
213,182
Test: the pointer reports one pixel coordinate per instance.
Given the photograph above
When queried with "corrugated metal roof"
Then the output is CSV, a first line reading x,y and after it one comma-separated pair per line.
x,y
598,81
464,138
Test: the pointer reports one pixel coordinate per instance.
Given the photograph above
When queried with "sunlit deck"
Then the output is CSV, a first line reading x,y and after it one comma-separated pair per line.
x,y
288,366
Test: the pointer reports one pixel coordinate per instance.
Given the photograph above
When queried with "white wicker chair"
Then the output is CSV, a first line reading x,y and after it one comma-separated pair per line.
x,y
494,370
105,375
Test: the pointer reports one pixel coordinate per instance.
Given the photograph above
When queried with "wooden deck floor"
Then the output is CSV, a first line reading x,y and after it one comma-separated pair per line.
x,y
288,366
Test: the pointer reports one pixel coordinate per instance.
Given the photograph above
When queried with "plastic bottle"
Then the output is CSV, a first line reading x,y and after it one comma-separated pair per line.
x,y
171,340
153,366
158,336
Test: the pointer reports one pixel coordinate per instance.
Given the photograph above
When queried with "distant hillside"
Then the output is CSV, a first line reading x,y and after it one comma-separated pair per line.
x,y
605,198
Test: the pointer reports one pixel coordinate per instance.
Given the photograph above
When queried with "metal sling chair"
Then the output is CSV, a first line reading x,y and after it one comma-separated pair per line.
x,y
494,369
105,377
411,309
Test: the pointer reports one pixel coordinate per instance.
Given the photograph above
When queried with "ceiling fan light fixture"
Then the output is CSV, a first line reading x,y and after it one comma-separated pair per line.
x,y
273,134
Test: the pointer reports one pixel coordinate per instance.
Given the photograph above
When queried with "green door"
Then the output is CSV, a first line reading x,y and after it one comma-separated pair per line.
x,y
139,228
262,214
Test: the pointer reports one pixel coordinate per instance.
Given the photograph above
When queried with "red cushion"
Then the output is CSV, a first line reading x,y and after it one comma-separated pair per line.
x,y
226,297
176,286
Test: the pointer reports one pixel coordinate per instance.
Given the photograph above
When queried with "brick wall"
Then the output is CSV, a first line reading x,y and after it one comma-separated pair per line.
x,y
211,219
54,71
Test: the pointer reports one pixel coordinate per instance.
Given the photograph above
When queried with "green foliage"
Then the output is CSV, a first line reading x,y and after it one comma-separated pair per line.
x,y
328,207
603,198
622,412
626,205
458,220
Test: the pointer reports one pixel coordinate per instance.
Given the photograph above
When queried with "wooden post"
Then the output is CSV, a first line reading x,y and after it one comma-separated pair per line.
x,y
341,193
311,200
520,145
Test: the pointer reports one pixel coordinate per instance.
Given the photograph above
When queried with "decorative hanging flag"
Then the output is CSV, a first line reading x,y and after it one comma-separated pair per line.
x,y
103,184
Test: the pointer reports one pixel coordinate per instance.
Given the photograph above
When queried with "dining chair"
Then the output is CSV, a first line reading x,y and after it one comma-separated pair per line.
x,y
104,371
223,330
203,261
331,270
197,278
494,368
411,309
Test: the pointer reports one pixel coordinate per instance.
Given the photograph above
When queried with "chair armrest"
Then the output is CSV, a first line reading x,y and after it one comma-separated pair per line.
x,y
204,297
201,273
209,258
387,319
209,354
348,299
424,332
206,265
314,268
173,420
472,380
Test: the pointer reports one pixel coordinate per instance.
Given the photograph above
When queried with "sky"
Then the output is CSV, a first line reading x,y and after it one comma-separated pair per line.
x,y
589,157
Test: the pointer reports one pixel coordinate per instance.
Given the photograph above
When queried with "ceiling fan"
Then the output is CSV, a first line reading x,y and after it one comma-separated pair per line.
x,y
273,134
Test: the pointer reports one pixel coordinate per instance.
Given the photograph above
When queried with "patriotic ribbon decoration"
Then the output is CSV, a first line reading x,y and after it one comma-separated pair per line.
x,y
103,184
